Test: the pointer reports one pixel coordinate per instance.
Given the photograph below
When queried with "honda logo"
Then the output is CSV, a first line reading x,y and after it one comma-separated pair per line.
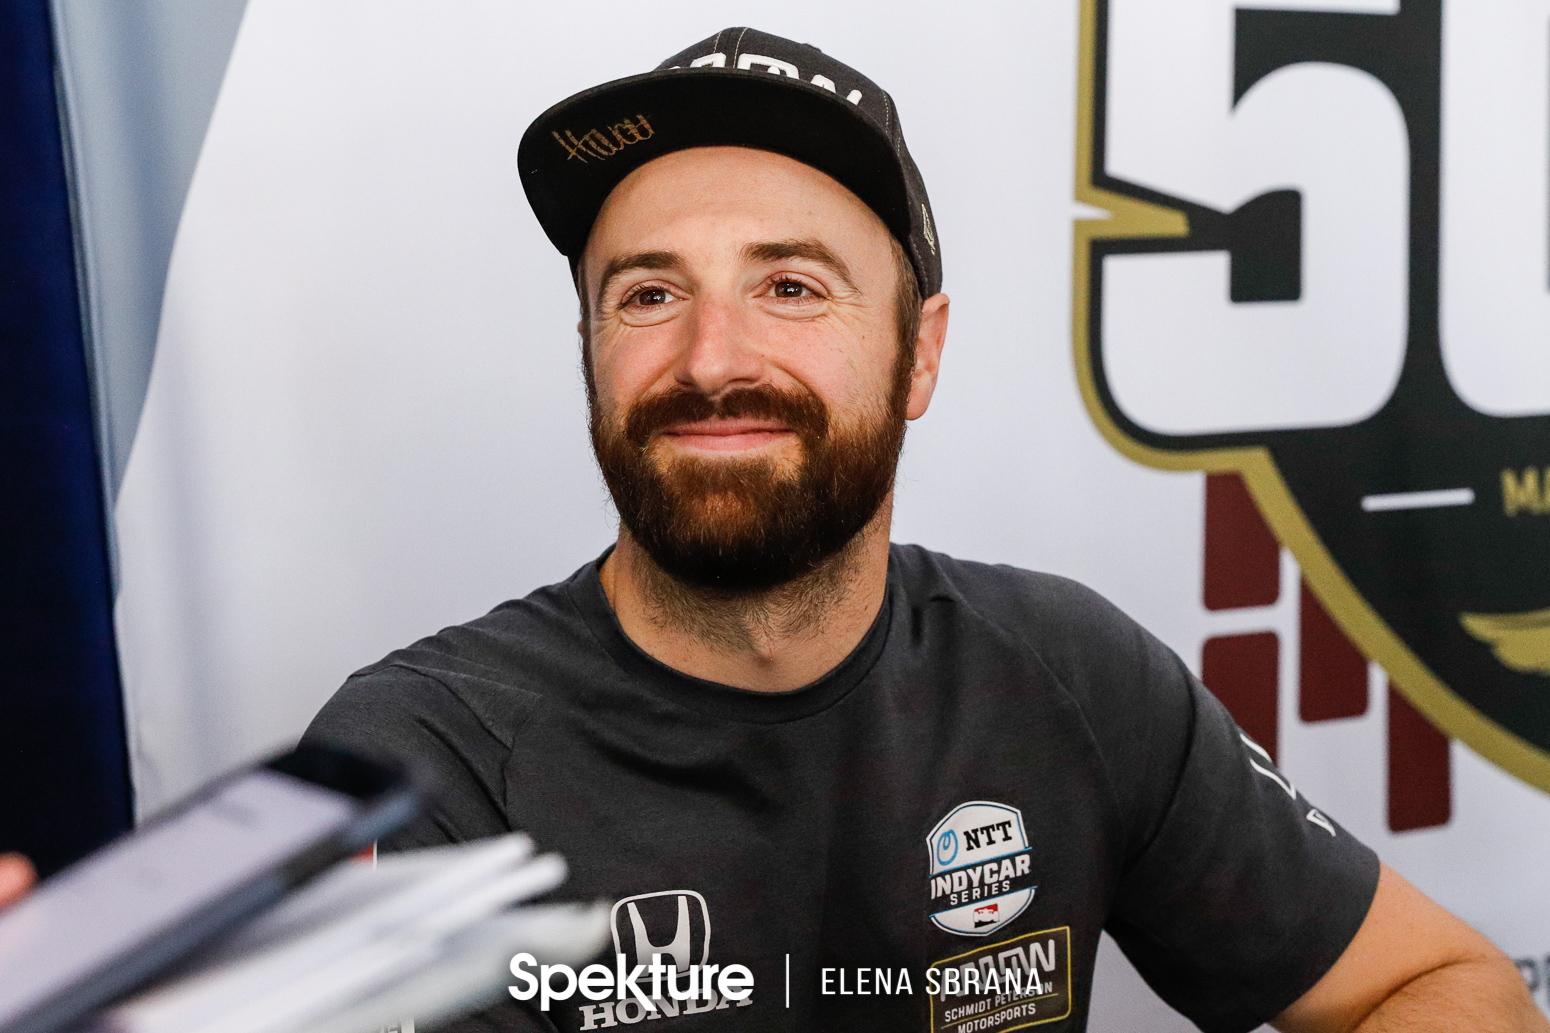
x,y
672,923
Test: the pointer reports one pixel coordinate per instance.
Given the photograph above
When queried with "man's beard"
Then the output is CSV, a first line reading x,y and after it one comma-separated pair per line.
x,y
746,525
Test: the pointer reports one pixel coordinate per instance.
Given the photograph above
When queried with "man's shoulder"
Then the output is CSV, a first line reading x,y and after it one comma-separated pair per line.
x,y
494,669
1085,640
501,644
1003,594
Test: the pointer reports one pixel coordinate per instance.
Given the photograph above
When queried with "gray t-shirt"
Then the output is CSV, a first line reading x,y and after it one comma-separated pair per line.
x,y
1003,767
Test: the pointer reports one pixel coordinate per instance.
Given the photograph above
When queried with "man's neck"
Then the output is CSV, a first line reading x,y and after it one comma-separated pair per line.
x,y
772,641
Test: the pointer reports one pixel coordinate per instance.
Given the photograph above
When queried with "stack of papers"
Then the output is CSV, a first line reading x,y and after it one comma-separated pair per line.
x,y
428,934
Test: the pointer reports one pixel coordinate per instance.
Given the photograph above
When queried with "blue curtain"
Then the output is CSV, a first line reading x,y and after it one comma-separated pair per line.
x,y
64,785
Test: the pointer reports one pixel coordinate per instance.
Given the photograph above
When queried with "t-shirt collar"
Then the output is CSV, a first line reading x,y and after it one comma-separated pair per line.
x,y
713,698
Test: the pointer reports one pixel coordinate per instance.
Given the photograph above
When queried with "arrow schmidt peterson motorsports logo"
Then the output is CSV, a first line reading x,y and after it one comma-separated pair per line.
x,y
980,868
1301,272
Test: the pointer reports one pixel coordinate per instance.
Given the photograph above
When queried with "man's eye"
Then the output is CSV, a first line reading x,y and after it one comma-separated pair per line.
x,y
652,296
790,289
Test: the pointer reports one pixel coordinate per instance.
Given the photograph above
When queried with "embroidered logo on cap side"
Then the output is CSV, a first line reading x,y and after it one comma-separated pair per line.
x,y
598,143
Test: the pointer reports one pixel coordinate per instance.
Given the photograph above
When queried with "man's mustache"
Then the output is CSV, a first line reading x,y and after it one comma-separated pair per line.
x,y
802,411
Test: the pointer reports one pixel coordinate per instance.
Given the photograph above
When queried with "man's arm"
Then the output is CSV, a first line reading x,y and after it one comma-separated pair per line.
x,y
1412,967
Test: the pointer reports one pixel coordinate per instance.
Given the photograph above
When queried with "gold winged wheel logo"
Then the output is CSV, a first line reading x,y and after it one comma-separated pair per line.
x,y
1520,640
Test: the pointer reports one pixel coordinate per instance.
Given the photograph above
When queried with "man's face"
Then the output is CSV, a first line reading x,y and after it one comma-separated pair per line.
x,y
747,384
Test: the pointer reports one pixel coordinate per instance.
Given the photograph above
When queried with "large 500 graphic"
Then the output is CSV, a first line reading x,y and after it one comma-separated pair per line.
x,y
1326,265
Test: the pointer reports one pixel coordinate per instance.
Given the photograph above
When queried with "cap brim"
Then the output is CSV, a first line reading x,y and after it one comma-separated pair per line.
x,y
568,175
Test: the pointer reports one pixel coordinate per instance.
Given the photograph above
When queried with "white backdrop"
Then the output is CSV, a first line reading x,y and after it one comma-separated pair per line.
x,y
365,418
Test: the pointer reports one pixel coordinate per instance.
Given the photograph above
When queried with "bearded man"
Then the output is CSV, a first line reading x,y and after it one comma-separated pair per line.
x,y
906,792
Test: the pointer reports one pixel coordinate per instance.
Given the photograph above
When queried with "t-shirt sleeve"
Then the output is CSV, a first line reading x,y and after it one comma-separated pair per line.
x,y
1233,894
407,716
404,716
1236,894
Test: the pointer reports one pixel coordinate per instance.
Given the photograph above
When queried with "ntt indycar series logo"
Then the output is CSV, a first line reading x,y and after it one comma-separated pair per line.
x,y
981,868
661,967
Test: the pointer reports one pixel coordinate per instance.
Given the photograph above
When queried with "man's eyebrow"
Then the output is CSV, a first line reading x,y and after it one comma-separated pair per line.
x,y
638,260
810,249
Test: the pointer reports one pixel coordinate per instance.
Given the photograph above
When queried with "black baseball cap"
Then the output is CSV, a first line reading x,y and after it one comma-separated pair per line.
x,y
741,87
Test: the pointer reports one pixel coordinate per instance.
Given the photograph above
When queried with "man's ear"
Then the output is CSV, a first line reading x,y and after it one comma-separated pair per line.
x,y
579,281
929,340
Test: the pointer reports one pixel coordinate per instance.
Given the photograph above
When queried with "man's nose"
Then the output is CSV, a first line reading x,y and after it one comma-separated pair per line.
x,y
720,351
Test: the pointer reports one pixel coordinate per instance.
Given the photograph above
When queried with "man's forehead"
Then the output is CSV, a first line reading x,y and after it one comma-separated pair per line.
x,y
737,202
729,174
